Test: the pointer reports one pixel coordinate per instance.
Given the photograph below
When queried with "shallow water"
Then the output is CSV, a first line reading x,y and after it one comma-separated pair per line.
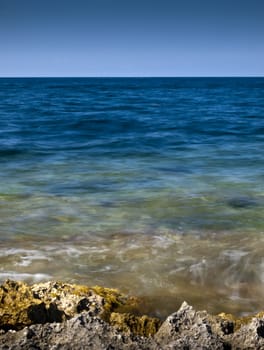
x,y
154,186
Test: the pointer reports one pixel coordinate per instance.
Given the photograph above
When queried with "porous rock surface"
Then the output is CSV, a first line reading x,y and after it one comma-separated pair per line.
x,y
55,315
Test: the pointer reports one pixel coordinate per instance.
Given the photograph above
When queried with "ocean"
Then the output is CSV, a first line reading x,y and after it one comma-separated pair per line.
x,y
154,186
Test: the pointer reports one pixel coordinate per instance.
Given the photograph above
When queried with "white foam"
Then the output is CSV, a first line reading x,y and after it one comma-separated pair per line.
x,y
24,257
19,251
37,277
234,254
199,270
262,270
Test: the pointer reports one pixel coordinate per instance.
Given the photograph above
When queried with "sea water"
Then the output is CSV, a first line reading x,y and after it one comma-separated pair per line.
x,y
154,186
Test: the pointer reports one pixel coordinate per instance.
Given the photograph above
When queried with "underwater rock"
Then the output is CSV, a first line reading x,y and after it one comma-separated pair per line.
x,y
242,202
67,316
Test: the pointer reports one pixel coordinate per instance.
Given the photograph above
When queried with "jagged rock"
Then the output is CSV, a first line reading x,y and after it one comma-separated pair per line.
x,y
81,332
56,315
188,329
250,336
22,305
19,307
71,299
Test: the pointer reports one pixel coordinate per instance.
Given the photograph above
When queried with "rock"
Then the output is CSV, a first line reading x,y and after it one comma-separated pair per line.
x,y
80,332
70,299
56,315
188,329
250,336
141,325
242,202
22,305
19,307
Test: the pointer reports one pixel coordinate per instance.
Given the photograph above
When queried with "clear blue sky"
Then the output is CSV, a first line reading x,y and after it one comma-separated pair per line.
x,y
131,37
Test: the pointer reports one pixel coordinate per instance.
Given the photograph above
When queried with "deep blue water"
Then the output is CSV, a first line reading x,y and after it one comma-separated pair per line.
x,y
83,158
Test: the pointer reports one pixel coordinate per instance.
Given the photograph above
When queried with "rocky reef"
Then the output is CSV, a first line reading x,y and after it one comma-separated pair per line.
x,y
56,315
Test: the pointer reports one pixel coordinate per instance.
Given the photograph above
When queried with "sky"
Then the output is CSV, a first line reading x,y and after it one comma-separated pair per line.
x,y
103,38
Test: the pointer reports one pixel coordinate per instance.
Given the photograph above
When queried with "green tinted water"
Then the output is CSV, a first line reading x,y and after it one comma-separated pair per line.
x,y
165,246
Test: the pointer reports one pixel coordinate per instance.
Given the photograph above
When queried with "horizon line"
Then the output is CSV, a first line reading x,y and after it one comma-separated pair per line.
x,y
128,77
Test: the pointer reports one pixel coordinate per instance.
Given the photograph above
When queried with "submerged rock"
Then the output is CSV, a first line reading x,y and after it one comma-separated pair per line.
x,y
242,202
56,315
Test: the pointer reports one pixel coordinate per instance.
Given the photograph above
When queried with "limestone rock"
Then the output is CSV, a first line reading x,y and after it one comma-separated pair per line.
x,y
79,333
22,305
188,329
250,336
70,299
56,315
19,307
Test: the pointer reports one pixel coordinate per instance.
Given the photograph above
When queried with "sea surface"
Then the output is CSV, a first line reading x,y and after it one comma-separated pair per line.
x,y
154,186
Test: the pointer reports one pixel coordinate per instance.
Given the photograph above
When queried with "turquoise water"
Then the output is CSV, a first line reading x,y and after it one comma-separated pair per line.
x,y
154,186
